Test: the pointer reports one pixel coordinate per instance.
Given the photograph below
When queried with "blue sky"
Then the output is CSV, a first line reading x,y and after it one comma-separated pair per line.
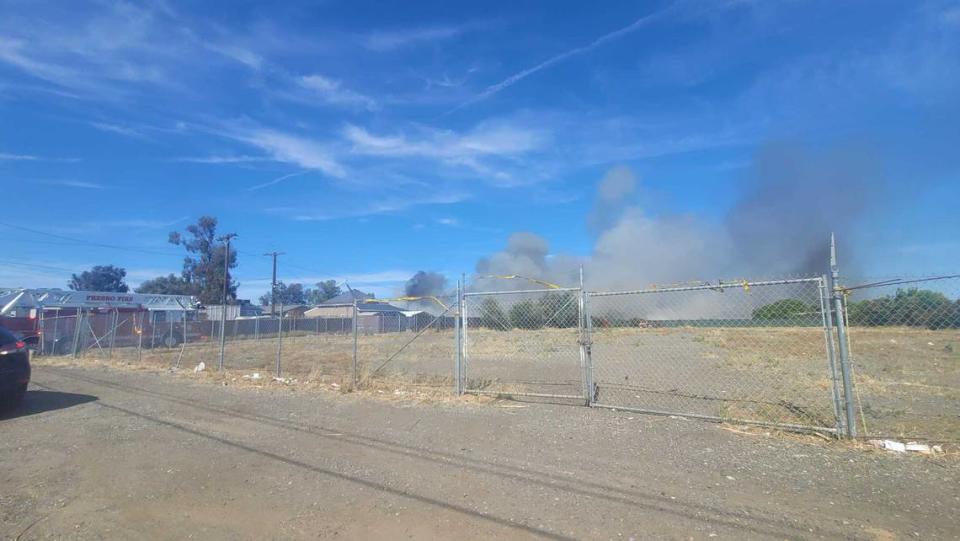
x,y
369,140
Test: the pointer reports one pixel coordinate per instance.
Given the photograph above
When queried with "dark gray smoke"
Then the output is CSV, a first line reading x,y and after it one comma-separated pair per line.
x,y
793,198
425,284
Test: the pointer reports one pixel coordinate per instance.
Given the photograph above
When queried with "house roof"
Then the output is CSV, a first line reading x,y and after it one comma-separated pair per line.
x,y
377,307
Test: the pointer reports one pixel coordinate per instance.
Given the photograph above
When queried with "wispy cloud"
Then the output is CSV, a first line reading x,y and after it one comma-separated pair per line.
x,y
141,223
332,92
118,129
18,157
244,56
283,147
494,139
602,40
275,181
223,159
67,183
389,205
395,39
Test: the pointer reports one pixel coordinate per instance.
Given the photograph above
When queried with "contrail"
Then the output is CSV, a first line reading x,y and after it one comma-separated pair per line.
x,y
275,181
517,77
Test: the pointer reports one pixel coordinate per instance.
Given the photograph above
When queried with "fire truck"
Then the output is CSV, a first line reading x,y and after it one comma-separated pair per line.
x,y
56,321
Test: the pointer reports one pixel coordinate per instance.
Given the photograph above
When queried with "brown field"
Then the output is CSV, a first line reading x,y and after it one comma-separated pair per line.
x,y
907,379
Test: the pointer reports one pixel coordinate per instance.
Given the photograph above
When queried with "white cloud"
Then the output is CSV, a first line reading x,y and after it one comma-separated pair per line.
x,y
275,181
244,56
67,183
602,40
301,151
332,92
390,40
485,140
18,157
383,206
223,159
116,128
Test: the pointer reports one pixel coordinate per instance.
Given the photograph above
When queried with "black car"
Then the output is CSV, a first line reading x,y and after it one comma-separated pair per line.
x,y
14,369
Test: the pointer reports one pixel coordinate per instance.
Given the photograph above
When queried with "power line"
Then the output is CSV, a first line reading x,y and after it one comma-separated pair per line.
x,y
37,266
86,242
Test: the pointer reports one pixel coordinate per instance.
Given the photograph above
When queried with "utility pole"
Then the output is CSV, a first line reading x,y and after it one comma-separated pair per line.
x,y
273,287
226,284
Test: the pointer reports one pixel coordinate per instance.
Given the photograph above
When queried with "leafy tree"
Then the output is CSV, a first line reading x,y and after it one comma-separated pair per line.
x,y
286,294
166,285
203,267
911,307
492,315
527,314
785,309
100,278
325,291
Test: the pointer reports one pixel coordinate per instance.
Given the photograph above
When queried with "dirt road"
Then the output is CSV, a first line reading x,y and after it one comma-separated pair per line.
x,y
109,454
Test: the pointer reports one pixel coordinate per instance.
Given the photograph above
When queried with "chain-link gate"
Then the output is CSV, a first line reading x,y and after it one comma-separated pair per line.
x,y
524,343
757,352
904,347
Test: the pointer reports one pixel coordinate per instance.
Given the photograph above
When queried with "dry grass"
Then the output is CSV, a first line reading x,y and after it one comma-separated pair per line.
x,y
907,379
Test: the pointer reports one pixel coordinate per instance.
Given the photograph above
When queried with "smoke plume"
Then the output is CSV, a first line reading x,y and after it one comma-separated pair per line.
x,y
425,284
792,198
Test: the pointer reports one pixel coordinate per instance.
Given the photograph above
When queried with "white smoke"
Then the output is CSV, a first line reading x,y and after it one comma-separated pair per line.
x,y
779,228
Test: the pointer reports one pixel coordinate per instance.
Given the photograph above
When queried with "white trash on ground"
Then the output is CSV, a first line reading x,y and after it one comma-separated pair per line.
x,y
912,446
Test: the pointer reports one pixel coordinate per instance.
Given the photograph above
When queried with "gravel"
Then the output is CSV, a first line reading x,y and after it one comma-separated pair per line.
x,y
99,453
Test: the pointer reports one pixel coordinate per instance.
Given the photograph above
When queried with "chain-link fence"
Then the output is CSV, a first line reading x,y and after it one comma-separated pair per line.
x,y
743,351
904,344
867,358
524,343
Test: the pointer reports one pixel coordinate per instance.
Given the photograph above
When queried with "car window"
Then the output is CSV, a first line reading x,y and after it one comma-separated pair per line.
x,y
7,337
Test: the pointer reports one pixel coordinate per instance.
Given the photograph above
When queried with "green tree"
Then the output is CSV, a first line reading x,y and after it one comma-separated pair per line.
x,y
492,315
908,307
286,295
785,309
166,285
324,291
100,278
527,314
203,267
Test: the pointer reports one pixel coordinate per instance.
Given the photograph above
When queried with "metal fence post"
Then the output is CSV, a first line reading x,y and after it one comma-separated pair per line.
x,y
586,343
223,328
464,343
827,318
356,366
114,323
139,329
458,340
153,328
42,328
56,333
842,340
76,334
279,338
256,329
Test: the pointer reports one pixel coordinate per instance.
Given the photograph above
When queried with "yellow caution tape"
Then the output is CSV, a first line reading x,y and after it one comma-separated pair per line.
x,y
519,277
409,299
